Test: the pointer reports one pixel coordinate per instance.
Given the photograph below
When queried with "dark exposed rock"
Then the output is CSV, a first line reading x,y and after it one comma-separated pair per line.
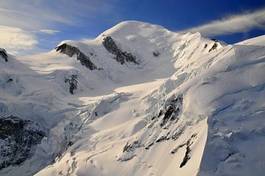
x,y
131,147
129,151
120,56
219,41
70,143
177,148
71,51
148,146
73,82
228,156
4,54
186,157
160,113
205,46
172,110
167,116
187,144
213,47
162,138
17,140
156,53
9,80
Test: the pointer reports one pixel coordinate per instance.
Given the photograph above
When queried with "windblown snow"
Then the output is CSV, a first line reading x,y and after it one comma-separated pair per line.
x,y
139,100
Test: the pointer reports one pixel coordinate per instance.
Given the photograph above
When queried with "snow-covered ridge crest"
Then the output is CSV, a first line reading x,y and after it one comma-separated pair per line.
x,y
188,105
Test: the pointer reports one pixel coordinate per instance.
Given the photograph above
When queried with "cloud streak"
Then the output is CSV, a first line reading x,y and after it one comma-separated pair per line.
x,y
15,39
23,22
233,24
49,31
42,14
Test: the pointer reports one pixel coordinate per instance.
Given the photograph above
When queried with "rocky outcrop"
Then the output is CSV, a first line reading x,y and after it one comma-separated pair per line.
x,y
71,51
17,140
120,56
187,146
172,110
156,53
72,81
160,130
213,47
216,44
128,151
4,54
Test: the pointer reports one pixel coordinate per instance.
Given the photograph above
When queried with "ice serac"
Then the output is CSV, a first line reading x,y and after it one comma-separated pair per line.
x,y
164,104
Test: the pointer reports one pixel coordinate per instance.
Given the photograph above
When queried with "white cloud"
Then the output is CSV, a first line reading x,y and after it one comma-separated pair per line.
x,y
49,31
29,14
22,21
15,39
233,24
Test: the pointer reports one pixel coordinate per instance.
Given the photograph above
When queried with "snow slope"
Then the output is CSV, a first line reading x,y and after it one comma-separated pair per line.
x,y
191,106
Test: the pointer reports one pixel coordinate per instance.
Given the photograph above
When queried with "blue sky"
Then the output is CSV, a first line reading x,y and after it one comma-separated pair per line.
x,y
28,26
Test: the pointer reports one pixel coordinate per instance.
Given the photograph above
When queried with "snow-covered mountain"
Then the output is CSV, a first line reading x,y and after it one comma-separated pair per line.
x,y
137,100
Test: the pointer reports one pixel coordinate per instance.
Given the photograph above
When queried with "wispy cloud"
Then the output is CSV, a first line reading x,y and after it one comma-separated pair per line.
x,y
49,31
27,20
233,24
42,14
15,39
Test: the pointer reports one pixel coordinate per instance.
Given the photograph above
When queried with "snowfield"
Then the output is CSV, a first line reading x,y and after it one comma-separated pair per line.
x,y
155,103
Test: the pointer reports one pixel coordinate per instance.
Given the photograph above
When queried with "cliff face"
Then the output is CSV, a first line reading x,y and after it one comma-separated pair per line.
x,y
71,51
72,82
18,139
3,54
119,55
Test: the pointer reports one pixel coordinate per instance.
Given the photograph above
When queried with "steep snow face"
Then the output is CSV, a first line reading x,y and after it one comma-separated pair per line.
x,y
236,125
159,103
